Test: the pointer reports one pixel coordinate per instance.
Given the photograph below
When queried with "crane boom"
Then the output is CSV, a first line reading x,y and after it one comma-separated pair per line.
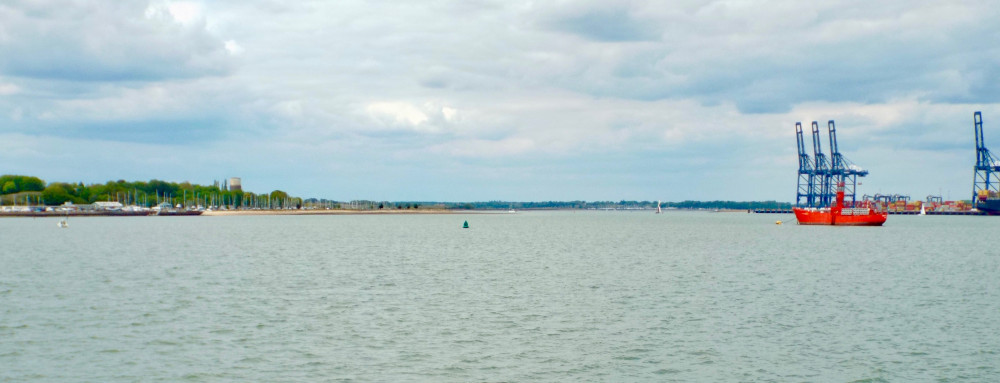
x,y
821,181
804,160
806,174
842,169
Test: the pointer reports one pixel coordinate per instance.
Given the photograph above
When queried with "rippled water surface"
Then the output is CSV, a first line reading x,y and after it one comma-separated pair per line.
x,y
537,296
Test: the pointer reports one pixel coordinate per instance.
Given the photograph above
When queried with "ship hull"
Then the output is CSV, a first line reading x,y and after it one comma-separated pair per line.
x,y
855,214
989,206
178,212
835,218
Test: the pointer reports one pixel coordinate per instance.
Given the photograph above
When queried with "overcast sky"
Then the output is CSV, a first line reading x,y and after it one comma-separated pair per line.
x,y
497,100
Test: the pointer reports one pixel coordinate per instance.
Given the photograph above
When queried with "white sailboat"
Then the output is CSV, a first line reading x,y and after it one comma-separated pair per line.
x,y
658,211
923,210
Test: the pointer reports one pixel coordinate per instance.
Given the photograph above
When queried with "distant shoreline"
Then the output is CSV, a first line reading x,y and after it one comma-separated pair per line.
x,y
303,212
220,213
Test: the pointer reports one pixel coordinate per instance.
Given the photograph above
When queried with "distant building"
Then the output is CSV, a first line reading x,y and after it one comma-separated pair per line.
x,y
107,205
234,184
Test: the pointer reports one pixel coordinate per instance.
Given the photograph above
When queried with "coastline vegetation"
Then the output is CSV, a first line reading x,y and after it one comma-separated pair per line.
x,y
28,190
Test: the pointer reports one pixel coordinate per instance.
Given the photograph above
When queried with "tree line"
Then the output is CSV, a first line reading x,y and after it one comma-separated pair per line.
x,y
33,190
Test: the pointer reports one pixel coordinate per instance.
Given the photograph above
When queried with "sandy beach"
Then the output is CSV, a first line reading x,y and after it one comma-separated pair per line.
x,y
328,212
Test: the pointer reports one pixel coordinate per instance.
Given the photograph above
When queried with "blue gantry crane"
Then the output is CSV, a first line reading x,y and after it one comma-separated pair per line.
x,y
819,175
822,191
843,170
805,188
986,183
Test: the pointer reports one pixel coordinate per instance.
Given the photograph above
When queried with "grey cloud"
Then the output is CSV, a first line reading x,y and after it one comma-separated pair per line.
x,y
615,24
105,42
182,127
762,65
165,131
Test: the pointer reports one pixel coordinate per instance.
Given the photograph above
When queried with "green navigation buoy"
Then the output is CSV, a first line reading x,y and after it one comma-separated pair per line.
x,y
465,225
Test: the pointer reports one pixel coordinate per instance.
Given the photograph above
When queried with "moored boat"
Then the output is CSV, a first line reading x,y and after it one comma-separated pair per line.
x,y
990,206
864,213
988,202
178,212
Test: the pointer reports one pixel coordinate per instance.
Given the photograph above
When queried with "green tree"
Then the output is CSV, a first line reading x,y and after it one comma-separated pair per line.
x,y
56,194
20,184
31,184
278,194
278,197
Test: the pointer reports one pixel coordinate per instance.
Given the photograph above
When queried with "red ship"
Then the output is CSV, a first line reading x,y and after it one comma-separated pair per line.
x,y
863,213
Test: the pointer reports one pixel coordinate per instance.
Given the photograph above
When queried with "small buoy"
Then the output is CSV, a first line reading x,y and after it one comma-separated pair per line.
x,y
465,225
777,222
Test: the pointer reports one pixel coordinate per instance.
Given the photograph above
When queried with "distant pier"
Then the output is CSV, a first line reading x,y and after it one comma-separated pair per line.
x,y
772,211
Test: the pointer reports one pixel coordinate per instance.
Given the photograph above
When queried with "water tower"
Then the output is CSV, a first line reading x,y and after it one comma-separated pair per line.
x,y
234,184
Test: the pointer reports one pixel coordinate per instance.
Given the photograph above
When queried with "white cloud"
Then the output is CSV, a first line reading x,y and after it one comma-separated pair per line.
x,y
185,12
449,113
182,12
396,113
8,89
233,48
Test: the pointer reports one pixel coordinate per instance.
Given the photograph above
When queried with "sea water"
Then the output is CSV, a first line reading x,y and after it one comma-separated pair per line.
x,y
532,296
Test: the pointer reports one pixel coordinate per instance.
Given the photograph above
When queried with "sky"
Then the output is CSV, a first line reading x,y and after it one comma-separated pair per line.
x,y
477,100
